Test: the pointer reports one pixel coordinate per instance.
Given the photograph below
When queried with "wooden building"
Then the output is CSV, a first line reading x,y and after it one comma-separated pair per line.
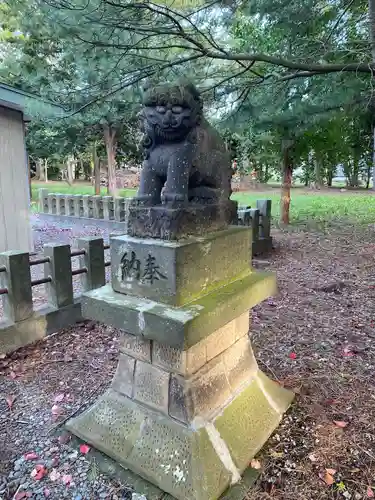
x,y
15,229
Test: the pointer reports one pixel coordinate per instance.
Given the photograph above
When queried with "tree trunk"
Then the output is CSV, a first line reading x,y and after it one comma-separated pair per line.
x,y
71,166
96,164
46,170
40,170
110,145
371,15
287,173
318,173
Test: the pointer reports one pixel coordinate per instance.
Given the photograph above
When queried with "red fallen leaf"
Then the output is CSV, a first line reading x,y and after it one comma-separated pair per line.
x,y
84,448
59,398
10,400
20,495
67,479
370,493
347,352
341,424
38,472
30,456
293,355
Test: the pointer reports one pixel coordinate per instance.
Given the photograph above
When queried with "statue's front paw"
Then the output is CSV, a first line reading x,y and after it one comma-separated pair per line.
x,y
142,200
174,200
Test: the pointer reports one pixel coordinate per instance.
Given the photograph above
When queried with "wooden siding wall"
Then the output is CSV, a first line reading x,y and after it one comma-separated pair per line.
x,y
15,230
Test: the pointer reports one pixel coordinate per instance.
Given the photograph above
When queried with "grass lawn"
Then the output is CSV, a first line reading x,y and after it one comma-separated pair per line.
x,y
316,207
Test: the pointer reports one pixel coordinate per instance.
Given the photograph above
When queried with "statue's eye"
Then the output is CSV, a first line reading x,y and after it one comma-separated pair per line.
x,y
160,109
177,109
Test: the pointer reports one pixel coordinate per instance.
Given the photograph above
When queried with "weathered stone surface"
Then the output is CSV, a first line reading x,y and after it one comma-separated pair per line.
x,y
246,435
151,386
220,340
180,402
178,272
180,327
190,463
209,388
123,380
185,182
242,324
136,346
240,363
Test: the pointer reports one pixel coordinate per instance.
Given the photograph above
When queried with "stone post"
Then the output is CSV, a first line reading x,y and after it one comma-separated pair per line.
x,y
77,205
254,223
86,206
93,261
118,209
51,204
106,201
59,269
265,207
18,302
96,199
60,204
43,200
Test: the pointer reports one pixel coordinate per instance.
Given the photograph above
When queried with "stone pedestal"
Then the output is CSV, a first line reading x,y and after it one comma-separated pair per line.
x,y
188,407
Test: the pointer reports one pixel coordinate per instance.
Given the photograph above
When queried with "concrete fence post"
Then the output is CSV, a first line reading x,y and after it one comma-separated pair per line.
x,y
254,223
50,203
106,202
118,209
264,207
96,206
18,302
86,205
93,261
43,200
59,269
77,205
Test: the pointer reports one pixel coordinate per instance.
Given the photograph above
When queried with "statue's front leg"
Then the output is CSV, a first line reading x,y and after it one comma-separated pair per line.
x,y
176,188
150,186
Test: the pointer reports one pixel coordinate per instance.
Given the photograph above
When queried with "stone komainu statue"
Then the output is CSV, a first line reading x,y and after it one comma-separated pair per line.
x,y
185,158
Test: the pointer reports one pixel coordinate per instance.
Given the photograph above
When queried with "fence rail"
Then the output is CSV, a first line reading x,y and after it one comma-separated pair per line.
x,y
21,323
111,210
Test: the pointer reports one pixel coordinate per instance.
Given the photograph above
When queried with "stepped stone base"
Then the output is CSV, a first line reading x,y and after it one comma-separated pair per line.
x,y
191,462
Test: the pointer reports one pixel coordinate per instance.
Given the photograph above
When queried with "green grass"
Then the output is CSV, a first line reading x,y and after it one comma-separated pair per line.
x,y
306,207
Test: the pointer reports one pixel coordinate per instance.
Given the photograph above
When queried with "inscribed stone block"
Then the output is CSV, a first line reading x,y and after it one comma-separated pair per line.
x,y
151,386
180,402
176,272
137,347
124,377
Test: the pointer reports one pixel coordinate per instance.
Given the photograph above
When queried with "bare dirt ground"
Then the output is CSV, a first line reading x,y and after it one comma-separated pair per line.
x,y
316,336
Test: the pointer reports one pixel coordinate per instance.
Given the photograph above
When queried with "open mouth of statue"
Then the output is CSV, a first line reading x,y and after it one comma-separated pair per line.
x,y
168,131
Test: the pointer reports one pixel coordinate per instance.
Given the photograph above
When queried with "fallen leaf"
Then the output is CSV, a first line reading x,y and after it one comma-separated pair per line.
x,y
312,457
84,448
293,355
30,456
255,464
331,471
46,492
59,398
12,375
20,495
327,476
340,423
67,479
54,475
56,411
370,493
347,352
10,400
38,472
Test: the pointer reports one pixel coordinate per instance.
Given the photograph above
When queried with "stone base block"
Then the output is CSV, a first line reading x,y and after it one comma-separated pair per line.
x,y
262,246
190,462
178,326
177,272
175,223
